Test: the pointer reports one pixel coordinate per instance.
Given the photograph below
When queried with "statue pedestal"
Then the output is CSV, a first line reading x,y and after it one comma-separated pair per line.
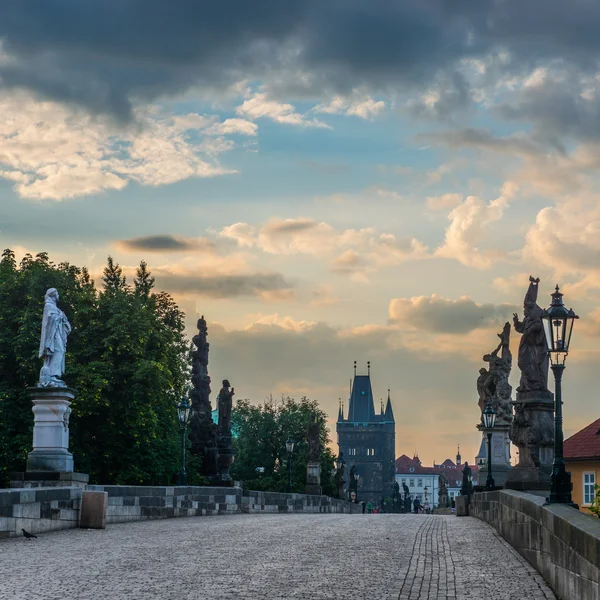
x,y
225,460
500,453
532,432
313,479
51,409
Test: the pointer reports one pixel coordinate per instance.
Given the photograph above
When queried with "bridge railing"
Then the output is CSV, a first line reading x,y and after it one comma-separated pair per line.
x,y
560,542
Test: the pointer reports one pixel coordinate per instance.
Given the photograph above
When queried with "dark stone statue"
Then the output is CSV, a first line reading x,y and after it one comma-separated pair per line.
x,y
203,430
225,401
492,384
314,439
467,481
353,484
533,354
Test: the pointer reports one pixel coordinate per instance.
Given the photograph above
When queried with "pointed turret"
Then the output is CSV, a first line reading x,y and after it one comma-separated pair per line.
x,y
341,411
389,412
458,457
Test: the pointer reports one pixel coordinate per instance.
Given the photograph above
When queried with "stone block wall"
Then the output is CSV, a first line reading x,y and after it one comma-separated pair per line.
x,y
38,510
562,543
272,502
136,503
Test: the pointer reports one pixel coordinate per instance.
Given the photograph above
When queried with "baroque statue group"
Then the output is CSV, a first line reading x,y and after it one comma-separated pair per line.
x,y
526,421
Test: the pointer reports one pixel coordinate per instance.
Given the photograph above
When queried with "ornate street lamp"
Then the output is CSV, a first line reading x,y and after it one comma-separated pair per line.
x,y
183,414
558,326
356,478
289,446
489,420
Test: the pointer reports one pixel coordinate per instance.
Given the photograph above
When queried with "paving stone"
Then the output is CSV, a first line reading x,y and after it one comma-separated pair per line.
x,y
272,557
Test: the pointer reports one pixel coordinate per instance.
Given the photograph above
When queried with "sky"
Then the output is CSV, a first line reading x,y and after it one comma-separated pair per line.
x,y
324,181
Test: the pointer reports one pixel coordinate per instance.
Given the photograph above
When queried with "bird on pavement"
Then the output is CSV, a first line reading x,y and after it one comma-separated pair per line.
x,y
28,535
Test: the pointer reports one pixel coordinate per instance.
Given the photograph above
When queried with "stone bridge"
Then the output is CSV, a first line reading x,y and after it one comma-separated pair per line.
x,y
272,556
228,543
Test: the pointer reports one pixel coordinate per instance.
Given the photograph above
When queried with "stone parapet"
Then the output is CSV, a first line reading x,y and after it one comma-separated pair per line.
x,y
273,502
562,543
137,503
38,510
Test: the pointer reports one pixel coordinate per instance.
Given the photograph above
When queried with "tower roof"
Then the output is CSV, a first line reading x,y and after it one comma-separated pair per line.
x,y
361,409
482,450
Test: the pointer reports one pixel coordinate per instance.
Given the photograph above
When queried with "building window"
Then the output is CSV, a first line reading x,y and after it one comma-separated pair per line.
x,y
589,479
370,451
412,483
420,482
352,451
451,494
403,480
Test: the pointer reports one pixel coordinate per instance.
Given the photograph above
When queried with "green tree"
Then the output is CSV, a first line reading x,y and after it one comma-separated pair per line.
x,y
127,359
260,442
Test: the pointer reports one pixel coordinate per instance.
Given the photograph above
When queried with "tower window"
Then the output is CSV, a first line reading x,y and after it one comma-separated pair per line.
x,y
352,451
370,451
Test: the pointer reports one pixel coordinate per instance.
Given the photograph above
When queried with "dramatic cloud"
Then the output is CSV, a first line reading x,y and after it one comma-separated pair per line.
x,y
441,315
352,251
51,152
102,55
470,221
259,105
165,243
223,286
359,105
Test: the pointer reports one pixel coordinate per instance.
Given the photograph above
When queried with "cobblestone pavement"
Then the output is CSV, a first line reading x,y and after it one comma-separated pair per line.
x,y
268,557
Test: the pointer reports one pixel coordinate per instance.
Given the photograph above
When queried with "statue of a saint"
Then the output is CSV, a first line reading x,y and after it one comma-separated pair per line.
x,y
314,439
406,490
225,400
53,343
467,481
353,484
533,353
493,385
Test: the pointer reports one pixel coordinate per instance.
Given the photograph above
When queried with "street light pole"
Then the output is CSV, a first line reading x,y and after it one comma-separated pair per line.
x,y
558,328
489,420
183,413
290,450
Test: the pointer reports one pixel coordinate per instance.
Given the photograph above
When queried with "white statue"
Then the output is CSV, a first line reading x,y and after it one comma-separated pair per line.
x,y
53,345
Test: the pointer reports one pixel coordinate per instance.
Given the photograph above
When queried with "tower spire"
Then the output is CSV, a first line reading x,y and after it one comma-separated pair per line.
x,y
340,410
389,411
369,368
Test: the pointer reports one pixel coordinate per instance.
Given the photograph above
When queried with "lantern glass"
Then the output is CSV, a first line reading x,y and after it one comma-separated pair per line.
x,y
558,327
289,445
183,412
489,416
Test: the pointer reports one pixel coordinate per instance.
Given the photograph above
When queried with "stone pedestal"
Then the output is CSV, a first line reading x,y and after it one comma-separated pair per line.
x,y
462,506
500,454
51,409
36,479
313,479
225,460
532,432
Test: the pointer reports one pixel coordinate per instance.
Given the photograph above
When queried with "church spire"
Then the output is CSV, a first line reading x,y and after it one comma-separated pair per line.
x,y
458,457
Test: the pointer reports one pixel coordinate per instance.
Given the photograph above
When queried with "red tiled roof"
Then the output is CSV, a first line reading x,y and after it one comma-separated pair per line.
x,y
404,464
585,444
448,464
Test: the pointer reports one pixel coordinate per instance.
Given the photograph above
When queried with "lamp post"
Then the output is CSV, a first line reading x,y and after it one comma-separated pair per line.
x,y
289,446
558,326
489,420
356,478
183,414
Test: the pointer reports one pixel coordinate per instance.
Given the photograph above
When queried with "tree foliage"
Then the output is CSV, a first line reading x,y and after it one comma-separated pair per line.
x,y
127,358
261,434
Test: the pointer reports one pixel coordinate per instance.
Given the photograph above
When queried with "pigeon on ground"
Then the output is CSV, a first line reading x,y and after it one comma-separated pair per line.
x,y
28,535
